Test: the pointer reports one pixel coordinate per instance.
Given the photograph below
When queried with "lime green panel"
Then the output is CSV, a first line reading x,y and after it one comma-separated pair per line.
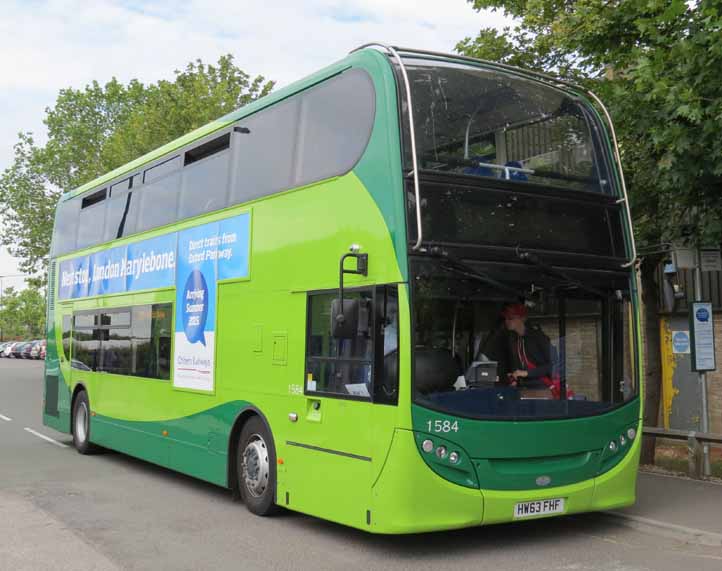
x,y
297,240
327,485
410,498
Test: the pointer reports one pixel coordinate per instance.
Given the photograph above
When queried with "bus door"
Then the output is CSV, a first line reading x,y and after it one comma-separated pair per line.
x,y
342,431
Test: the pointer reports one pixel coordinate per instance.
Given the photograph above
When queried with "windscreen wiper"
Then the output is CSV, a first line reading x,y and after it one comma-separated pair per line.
x,y
536,261
457,266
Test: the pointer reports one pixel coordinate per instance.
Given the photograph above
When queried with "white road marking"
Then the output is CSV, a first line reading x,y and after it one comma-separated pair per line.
x,y
31,431
5,418
647,525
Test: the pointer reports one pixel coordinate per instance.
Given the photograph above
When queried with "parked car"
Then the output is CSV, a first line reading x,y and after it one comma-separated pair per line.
x,y
17,351
2,347
43,351
27,349
36,348
7,351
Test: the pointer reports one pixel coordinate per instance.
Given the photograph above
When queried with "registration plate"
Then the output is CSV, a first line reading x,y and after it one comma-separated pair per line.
x,y
539,507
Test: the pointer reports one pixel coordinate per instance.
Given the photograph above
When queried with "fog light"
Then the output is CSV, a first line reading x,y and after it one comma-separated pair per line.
x,y
622,440
613,446
441,452
427,445
454,457
631,433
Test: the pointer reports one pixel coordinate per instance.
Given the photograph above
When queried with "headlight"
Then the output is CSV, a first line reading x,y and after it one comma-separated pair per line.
x,y
631,433
427,445
441,452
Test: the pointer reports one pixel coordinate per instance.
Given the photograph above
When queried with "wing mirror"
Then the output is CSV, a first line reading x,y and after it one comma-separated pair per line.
x,y
348,317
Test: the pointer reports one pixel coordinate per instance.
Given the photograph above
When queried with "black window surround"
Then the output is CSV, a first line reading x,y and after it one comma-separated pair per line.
x,y
132,341
371,361
291,143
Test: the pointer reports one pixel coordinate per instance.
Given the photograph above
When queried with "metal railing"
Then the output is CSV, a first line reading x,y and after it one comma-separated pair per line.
x,y
695,441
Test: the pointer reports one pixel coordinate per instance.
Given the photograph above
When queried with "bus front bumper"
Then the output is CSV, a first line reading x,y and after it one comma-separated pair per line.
x,y
409,497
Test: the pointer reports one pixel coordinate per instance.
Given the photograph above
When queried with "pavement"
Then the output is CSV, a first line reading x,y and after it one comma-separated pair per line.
x,y
60,510
679,505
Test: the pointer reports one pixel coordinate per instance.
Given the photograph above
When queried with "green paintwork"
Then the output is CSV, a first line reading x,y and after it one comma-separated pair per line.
x,y
511,455
196,444
376,479
463,472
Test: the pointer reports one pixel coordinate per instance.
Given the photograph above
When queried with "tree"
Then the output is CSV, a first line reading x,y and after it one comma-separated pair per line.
x,y
656,65
22,314
93,130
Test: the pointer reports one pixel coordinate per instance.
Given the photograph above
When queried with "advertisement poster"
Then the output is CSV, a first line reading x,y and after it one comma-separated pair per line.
x,y
148,264
206,254
193,261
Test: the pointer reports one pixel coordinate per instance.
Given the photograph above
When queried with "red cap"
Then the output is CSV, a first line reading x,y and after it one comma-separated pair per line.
x,y
515,310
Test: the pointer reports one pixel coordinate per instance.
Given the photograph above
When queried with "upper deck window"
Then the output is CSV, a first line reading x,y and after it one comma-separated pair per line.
x,y
496,125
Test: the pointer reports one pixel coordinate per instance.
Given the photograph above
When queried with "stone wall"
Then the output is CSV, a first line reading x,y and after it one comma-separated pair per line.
x,y
583,353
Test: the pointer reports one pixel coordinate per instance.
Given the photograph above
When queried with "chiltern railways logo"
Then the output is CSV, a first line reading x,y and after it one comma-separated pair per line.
x,y
543,481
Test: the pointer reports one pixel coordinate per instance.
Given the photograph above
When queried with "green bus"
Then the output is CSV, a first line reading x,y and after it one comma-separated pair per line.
x,y
398,294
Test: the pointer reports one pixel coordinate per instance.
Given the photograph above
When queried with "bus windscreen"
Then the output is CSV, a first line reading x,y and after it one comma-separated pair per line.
x,y
486,123
509,341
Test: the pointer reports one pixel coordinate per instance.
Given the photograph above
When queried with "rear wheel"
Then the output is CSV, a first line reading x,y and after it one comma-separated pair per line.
x,y
256,462
81,425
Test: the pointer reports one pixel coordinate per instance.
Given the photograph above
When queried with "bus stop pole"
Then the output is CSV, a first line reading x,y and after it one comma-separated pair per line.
x,y
702,375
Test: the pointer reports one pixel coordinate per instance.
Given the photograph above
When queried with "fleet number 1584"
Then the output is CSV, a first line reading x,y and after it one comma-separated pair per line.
x,y
442,425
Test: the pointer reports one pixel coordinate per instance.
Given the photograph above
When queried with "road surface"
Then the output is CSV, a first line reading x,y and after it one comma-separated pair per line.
x,y
61,510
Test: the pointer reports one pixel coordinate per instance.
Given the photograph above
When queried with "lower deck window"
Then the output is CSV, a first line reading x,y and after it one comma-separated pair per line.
x,y
133,341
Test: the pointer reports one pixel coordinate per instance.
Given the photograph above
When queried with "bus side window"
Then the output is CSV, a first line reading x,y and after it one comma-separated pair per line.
x,y
67,323
386,383
336,366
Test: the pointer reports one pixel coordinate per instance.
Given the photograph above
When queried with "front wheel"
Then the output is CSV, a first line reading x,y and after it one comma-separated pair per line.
x,y
256,461
81,425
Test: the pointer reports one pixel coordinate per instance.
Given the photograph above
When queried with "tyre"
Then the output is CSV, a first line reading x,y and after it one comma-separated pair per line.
x,y
256,466
81,425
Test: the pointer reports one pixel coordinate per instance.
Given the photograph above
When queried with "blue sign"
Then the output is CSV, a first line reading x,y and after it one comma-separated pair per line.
x,y
703,345
702,314
147,264
193,261
680,342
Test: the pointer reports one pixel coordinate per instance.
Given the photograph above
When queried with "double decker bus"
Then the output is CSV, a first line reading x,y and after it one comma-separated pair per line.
x,y
398,294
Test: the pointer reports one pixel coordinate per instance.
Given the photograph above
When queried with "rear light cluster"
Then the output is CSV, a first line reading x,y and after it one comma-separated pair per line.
x,y
442,453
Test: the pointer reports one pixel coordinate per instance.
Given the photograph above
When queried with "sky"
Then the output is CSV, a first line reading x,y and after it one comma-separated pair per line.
x,y
48,45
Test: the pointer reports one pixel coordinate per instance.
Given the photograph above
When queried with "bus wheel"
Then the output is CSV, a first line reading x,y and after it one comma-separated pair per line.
x,y
81,425
256,462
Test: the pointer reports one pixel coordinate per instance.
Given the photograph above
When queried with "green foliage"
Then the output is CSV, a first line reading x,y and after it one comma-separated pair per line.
x,y
656,65
93,130
198,95
22,313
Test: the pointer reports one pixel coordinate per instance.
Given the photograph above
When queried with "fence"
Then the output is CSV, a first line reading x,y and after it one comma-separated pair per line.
x,y
695,441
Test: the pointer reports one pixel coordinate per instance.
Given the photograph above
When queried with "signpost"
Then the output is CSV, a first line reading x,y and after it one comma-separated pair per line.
x,y
710,260
702,335
701,325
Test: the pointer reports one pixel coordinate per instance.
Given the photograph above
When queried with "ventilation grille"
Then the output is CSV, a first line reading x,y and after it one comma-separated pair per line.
x,y
51,286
